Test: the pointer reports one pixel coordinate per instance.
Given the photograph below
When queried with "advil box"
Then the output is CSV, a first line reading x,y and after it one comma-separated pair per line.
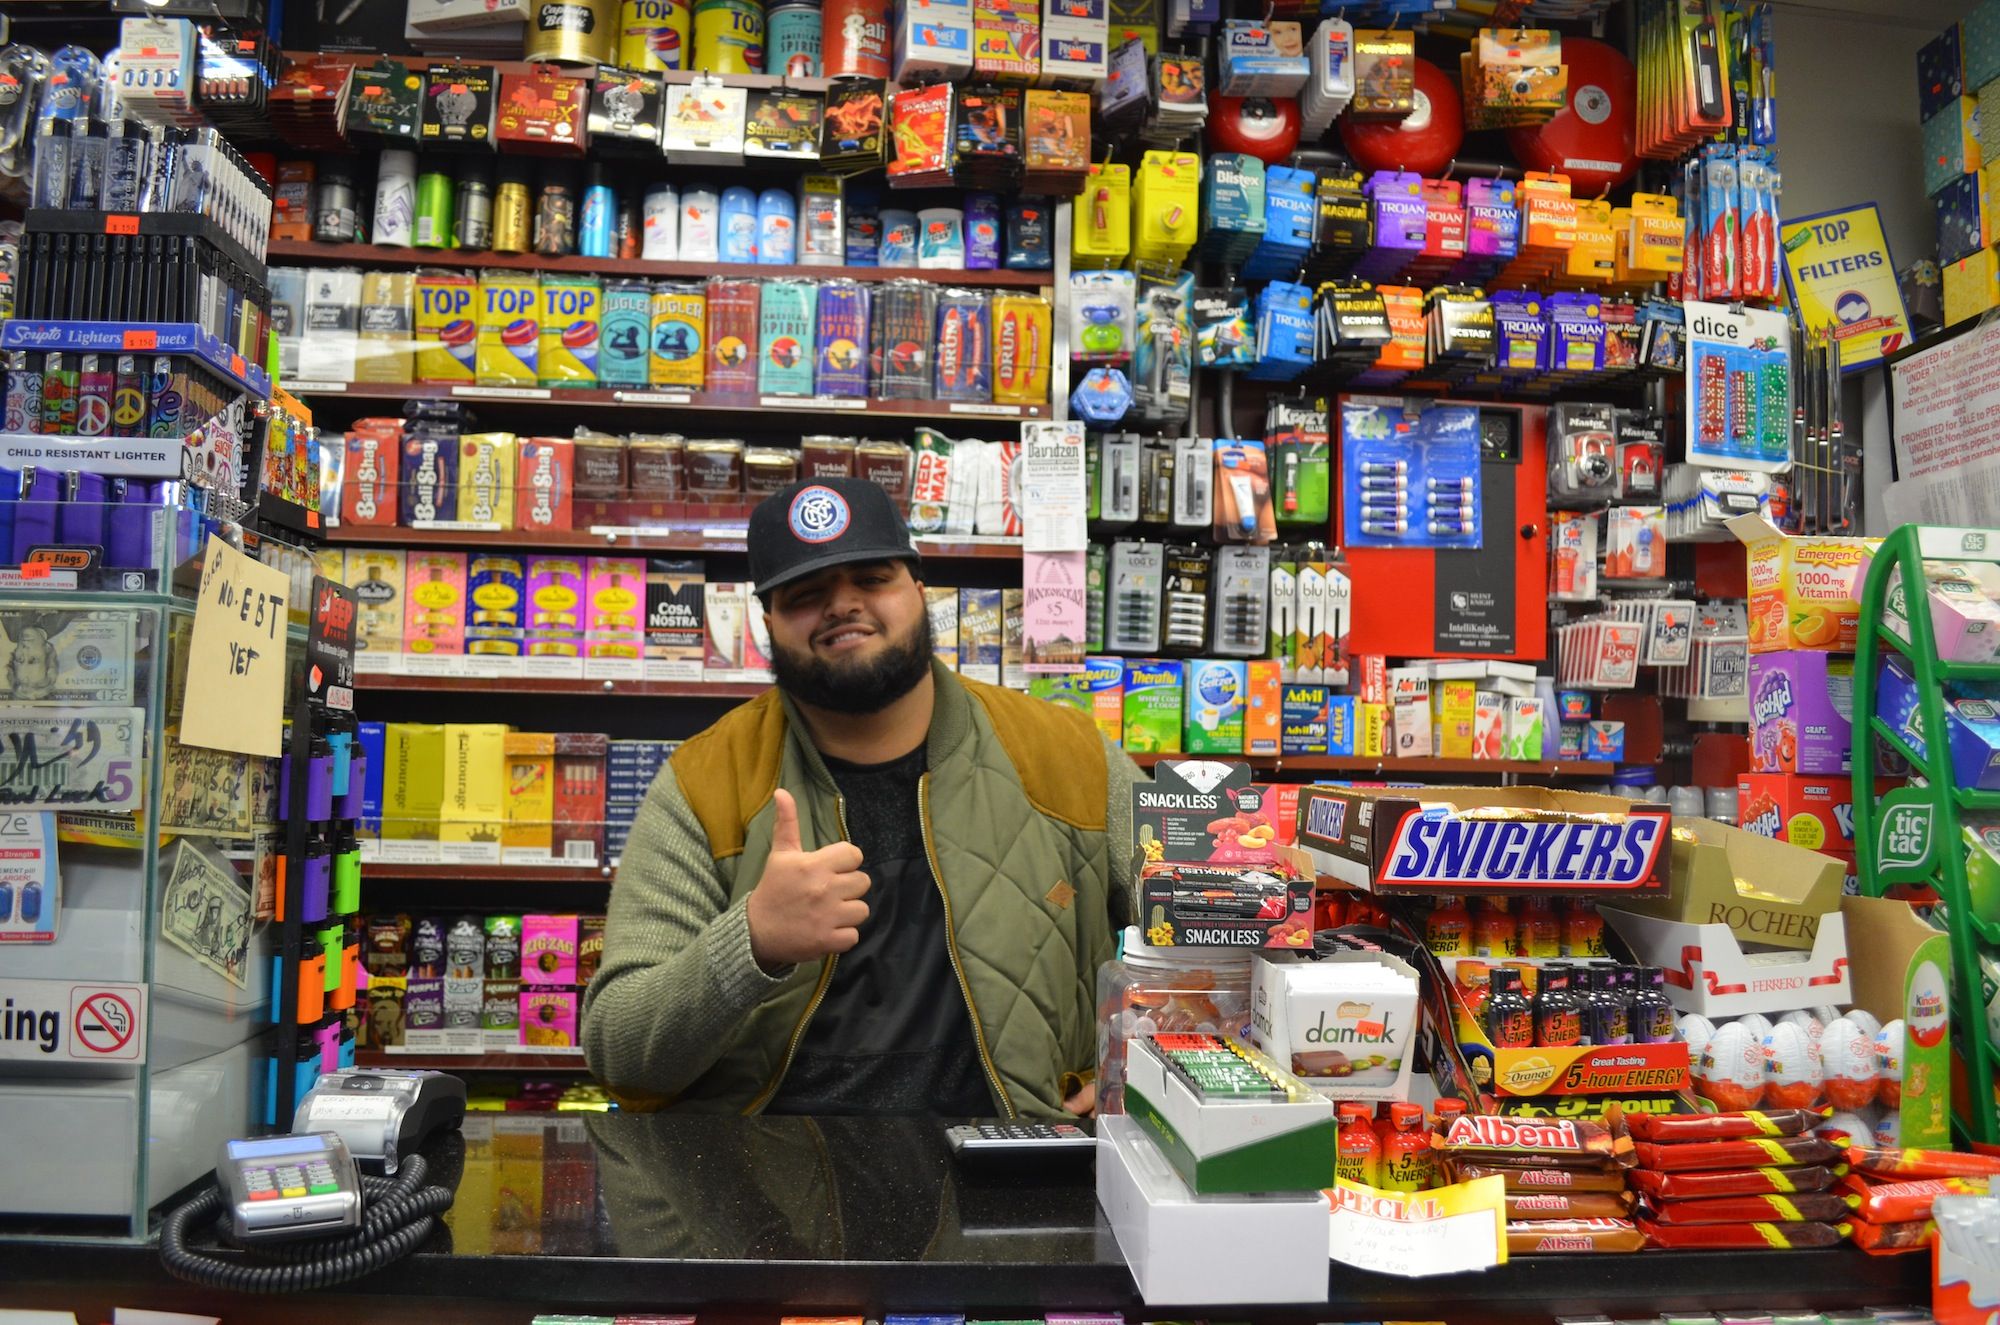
x,y
1484,839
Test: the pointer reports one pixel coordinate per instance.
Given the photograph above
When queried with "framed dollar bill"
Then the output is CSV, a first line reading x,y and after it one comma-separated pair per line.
x,y
205,910
66,656
71,758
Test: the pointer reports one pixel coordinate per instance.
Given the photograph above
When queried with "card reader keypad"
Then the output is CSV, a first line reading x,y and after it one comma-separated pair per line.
x,y
267,1182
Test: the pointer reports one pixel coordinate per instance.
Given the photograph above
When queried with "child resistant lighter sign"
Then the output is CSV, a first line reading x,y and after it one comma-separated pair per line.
x,y
67,1021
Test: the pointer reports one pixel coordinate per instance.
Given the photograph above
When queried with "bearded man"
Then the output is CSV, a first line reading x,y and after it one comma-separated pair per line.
x,y
876,888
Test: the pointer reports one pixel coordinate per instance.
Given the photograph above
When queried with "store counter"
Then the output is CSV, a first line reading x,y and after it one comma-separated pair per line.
x,y
759,1217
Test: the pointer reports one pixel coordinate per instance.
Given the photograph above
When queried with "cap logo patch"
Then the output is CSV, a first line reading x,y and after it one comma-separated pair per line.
x,y
819,515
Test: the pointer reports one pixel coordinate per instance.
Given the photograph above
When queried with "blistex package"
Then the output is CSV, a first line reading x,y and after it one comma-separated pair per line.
x,y
1410,473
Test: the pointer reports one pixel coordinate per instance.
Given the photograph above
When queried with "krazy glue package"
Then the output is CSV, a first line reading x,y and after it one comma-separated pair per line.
x,y
1346,1021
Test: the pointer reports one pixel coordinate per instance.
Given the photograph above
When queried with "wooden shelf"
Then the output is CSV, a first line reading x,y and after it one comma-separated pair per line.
x,y
819,412
385,869
473,1062
537,685
666,540
1407,767
375,255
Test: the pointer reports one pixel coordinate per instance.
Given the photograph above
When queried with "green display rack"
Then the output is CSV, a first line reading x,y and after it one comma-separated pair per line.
x,y
1911,835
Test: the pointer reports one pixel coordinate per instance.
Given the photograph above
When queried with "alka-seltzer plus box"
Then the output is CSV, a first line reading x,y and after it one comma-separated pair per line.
x,y
1212,872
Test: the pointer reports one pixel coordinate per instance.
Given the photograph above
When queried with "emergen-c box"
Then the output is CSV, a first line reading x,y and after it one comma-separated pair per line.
x,y
1805,593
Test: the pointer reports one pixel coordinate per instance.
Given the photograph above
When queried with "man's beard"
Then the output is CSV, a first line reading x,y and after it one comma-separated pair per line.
x,y
856,688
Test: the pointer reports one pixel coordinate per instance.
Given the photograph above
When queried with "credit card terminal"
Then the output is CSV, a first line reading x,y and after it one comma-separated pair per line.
x,y
382,1115
282,1187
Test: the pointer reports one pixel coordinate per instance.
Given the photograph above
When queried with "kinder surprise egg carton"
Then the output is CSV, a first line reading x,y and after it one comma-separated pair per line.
x,y
1805,593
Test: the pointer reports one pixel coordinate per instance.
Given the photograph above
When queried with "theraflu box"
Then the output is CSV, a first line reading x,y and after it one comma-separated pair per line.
x,y
447,327
510,328
626,325
570,311
679,318
1153,690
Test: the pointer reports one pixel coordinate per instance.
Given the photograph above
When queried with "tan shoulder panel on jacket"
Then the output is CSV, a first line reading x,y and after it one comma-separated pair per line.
x,y
1055,750
729,771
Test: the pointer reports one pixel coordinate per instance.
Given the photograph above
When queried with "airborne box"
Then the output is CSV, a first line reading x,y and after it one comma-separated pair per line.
x,y
1484,839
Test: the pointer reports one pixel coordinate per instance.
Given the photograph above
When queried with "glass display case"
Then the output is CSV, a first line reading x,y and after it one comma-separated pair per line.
x,y
137,875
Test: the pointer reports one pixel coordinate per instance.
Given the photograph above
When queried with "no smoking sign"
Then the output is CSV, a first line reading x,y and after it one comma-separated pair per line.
x,y
60,1021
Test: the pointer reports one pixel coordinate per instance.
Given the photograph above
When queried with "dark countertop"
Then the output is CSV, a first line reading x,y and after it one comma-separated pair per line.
x,y
758,1217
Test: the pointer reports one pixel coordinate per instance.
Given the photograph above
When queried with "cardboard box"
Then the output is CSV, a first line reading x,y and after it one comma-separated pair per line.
x,y
1215,706
1708,970
1388,840
1801,712
1811,812
1153,704
1168,1235
1579,1070
1768,893
1187,814
1263,715
1304,717
1805,593
579,797
543,487
1373,726
412,791
474,805
1342,725
1902,971
1350,1043
1454,711
1972,723
528,834
675,641
1217,1147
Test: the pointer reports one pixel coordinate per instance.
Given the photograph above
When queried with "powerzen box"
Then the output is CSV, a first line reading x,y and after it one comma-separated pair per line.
x,y
1212,872
1484,839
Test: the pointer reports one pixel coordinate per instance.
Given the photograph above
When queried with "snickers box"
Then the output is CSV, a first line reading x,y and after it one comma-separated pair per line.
x,y
1485,840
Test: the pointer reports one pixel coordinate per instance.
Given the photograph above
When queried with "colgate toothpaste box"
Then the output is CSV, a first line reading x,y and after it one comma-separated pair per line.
x,y
1801,712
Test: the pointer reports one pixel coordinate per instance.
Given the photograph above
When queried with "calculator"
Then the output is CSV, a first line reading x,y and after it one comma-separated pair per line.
x,y
1001,1142
281,1187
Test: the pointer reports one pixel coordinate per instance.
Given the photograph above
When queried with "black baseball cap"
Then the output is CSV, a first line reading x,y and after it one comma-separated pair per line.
x,y
807,527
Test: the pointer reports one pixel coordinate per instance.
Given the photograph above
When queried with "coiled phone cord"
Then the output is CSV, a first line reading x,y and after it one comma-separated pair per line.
x,y
398,1216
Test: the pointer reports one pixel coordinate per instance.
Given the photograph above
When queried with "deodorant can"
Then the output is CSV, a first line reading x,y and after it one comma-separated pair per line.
x,y
396,198
777,228
472,224
701,235
663,224
739,225
555,215
600,208
337,219
511,209
434,210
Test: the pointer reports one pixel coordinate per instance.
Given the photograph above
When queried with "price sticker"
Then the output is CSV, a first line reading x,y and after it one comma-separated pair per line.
x,y
121,224
135,339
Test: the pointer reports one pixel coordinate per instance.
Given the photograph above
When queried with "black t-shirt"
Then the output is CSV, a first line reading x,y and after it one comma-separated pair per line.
x,y
892,1034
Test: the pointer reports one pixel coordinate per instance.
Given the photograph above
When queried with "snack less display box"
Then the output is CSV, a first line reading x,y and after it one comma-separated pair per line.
x,y
1484,839
1211,870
